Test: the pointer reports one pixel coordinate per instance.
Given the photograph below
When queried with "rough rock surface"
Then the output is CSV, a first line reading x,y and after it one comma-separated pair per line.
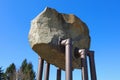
x,y
46,29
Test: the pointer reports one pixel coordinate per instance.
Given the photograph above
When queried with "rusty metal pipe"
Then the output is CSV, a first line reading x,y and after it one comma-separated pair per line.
x,y
47,71
40,68
92,65
68,57
83,56
58,74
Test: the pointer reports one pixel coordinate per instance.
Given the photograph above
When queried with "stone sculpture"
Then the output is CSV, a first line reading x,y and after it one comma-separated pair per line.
x,y
48,27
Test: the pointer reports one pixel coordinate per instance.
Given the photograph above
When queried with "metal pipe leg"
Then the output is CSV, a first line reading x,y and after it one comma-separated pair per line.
x,y
84,64
68,58
47,71
40,68
58,74
92,65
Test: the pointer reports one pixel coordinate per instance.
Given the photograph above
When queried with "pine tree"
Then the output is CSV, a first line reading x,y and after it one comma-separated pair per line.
x,y
11,72
2,75
31,73
26,71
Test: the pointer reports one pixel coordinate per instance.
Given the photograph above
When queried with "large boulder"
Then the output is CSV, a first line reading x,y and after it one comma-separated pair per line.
x,y
51,25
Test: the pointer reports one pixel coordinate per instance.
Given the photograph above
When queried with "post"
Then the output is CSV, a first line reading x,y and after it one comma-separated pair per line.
x,y
58,74
40,68
92,65
68,58
47,71
83,56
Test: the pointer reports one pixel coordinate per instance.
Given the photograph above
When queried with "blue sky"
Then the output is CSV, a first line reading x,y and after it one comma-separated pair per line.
x,y
101,16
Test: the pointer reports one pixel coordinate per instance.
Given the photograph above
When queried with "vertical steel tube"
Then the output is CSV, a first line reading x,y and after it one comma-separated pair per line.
x,y
84,64
40,68
68,60
58,74
47,71
92,65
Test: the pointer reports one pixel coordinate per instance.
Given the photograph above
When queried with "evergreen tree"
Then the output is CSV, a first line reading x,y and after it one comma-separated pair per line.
x,y
2,75
26,71
11,72
24,66
31,73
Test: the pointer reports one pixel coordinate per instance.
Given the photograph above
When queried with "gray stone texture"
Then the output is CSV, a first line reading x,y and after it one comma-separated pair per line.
x,y
46,29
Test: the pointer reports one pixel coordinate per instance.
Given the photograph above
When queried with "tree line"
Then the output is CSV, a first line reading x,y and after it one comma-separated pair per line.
x,y
25,72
